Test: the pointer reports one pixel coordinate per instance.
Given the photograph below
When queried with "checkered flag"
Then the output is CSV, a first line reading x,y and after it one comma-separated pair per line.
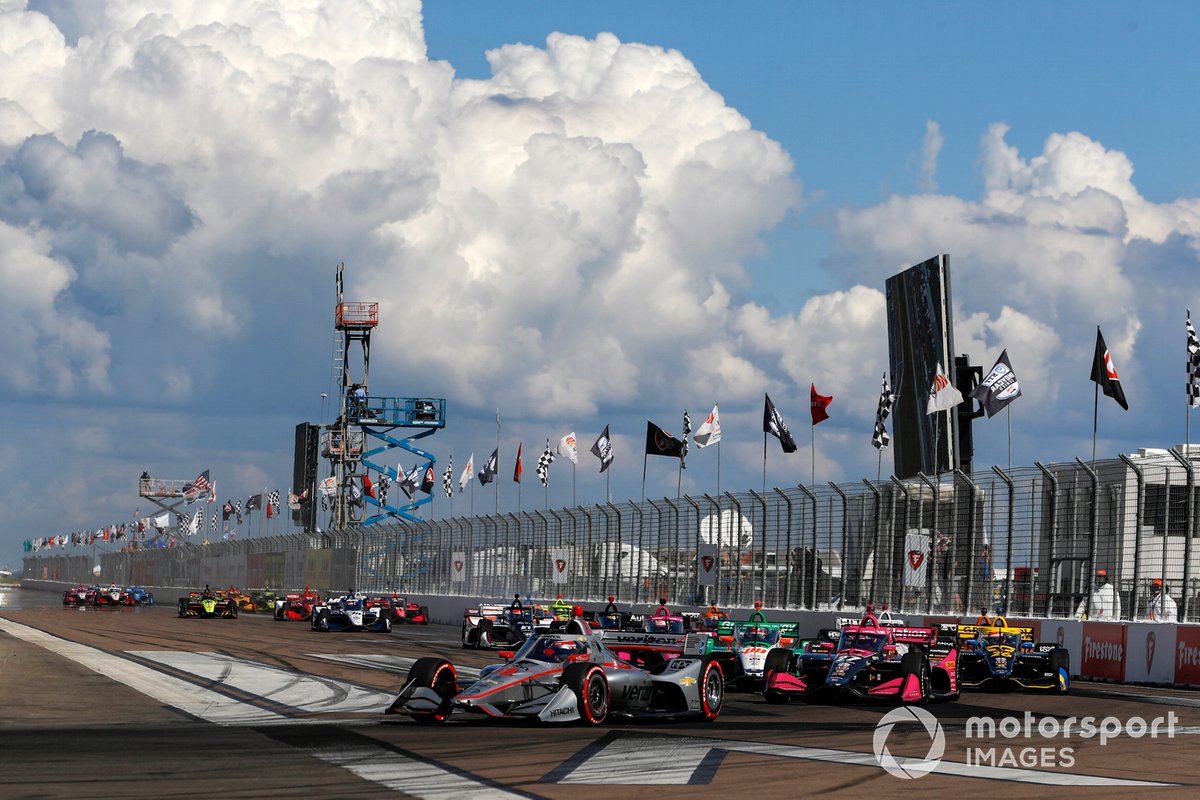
x,y
212,525
273,499
381,486
197,523
687,431
237,509
1193,364
881,439
543,465
448,478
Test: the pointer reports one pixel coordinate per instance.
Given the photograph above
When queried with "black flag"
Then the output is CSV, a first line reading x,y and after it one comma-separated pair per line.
x,y
661,443
488,473
1105,374
603,450
774,425
998,388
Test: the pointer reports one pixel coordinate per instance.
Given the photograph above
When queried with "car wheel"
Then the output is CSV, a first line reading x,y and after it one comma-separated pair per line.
x,y
483,640
590,686
1060,665
916,664
182,608
712,689
320,621
466,637
437,674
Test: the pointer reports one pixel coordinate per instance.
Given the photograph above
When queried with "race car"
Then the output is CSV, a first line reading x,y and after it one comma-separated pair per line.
x,y
490,624
351,613
256,601
137,596
868,660
743,648
994,654
660,637
208,604
78,595
399,609
297,605
107,595
564,677
708,620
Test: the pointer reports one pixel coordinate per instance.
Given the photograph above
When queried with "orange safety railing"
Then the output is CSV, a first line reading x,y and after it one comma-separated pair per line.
x,y
357,315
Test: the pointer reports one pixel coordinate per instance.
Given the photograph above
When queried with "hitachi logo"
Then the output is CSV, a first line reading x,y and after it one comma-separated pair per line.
x,y
1188,656
1103,651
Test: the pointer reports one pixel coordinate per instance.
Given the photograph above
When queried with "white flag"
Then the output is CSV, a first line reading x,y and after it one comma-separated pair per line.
x,y
163,520
568,448
709,431
942,394
467,473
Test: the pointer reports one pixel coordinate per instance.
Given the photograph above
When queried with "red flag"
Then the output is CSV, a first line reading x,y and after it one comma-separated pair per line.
x,y
518,469
368,487
819,403
269,507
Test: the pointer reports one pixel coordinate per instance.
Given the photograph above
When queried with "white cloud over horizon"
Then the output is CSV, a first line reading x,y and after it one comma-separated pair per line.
x,y
575,237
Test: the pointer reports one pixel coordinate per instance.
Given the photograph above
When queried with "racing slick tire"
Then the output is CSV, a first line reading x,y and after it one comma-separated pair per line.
x,y
182,607
917,664
778,660
387,625
483,638
712,689
320,621
466,637
439,675
423,613
590,686
1060,658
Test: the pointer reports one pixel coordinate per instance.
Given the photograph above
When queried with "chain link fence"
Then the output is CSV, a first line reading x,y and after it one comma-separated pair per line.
x,y
1026,542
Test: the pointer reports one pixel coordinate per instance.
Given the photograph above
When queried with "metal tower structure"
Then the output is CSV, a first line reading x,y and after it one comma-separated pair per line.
x,y
366,430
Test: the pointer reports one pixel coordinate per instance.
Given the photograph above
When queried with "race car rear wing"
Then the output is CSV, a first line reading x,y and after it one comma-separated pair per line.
x,y
667,644
973,631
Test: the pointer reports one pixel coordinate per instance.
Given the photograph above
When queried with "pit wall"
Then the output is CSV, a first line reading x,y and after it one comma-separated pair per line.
x,y
1122,652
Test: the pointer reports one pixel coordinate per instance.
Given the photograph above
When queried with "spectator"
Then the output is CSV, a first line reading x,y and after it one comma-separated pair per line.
x,y
1162,605
941,566
1103,603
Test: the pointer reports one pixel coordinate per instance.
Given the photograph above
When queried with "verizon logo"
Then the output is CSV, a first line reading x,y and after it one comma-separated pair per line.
x,y
1188,656
1103,651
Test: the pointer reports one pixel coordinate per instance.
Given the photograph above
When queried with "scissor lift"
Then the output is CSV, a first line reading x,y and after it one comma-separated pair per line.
x,y
367,427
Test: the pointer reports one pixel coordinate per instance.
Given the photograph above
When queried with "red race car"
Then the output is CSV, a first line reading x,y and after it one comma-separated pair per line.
x,y
297,605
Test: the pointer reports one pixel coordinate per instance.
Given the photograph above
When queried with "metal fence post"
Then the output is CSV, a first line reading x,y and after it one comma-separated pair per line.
x,y
811,596
762,553
934,528
1189,531
1093,524
787,552
845,523
1008,549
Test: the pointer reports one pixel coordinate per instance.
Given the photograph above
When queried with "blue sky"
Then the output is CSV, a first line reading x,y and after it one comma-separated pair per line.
x,y
646,207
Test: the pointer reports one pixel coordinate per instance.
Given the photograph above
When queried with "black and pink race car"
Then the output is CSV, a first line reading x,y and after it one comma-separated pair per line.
x,y
868,659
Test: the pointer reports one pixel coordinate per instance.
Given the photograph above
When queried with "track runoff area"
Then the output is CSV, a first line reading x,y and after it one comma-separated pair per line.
x,y
138,702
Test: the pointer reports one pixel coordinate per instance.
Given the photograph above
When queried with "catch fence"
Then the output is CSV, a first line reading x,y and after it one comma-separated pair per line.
x,y
1026,541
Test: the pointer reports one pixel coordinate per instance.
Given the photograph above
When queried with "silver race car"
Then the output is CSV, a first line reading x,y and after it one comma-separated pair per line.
x,y
565,677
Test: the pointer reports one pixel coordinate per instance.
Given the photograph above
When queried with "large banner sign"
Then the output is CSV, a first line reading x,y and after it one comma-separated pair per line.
x,y
560,568
706,565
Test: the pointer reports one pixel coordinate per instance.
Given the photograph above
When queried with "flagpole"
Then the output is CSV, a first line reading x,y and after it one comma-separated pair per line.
x,y
718,468
812,450
574,503
1095,422
764,486
1009,409
644,477
497,460
679,480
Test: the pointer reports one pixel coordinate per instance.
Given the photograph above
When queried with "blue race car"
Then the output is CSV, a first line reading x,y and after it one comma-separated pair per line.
x,y
993,654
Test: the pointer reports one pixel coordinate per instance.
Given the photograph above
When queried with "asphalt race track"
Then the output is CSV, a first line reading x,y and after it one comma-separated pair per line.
x,y
137,703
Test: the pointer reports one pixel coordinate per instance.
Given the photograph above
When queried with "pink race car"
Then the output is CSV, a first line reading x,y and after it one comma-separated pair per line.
x,y
868,660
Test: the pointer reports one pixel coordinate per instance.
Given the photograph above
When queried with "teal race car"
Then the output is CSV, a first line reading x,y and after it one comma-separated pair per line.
x,y
742,648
